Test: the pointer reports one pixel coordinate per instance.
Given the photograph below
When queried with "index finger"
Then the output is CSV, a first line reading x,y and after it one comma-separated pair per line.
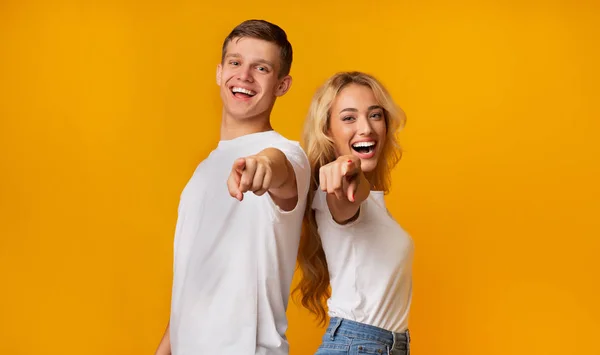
x,y
349,168
239,165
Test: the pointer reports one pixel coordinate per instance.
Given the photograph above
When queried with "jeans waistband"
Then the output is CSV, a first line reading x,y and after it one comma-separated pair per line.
x,y
352,329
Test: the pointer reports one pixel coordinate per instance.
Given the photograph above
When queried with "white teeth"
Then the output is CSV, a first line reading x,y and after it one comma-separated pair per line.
x,y
363,144
243,91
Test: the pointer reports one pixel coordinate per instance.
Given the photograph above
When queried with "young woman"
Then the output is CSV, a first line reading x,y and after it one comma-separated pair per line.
x,y
350,241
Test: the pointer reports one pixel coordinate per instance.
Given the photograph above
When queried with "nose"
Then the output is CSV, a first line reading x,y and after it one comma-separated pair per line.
x,y
245,74
364,127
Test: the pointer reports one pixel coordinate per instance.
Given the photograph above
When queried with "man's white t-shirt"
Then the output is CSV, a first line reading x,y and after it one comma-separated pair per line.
x,y
234,260
370,264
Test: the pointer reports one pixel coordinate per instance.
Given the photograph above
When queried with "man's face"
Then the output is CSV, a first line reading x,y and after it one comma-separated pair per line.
x,y
248,78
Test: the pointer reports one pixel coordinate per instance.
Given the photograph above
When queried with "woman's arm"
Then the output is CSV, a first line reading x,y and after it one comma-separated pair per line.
x,y
346,187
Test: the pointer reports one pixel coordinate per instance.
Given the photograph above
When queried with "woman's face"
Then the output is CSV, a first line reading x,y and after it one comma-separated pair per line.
x,y
357,125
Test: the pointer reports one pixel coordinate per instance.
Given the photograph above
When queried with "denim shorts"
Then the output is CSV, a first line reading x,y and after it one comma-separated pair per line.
x,y
344,336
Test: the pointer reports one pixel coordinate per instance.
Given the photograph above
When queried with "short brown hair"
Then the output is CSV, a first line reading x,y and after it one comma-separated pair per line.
x,y
261,29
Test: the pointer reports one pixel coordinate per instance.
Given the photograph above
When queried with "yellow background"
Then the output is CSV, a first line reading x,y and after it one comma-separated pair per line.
x,y
106,107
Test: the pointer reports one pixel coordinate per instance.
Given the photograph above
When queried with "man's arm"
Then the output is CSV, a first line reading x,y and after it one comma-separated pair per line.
x,y
283,189
164,348
268,170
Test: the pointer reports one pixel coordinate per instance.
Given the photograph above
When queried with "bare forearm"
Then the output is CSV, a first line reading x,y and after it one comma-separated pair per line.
x,y
283,179
344,210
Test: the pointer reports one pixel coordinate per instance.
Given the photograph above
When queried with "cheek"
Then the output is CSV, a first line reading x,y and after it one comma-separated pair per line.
x,y
380,148
381,128
266,81
225,78
381,132
226,74
341,137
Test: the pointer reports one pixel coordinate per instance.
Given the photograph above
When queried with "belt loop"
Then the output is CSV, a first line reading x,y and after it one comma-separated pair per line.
x,y
334,329
408,341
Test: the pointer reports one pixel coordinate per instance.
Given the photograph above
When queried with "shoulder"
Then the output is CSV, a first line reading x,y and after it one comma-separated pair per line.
x,y
319,201
293,152
286,145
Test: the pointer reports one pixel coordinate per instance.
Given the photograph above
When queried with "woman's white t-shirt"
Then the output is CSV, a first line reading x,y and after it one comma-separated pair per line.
x,y
370,264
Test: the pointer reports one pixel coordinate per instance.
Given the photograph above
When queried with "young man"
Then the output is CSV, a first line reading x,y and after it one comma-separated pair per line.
x,y
240,215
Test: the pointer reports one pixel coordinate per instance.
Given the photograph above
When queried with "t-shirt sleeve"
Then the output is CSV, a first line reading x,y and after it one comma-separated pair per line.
x,y
319,200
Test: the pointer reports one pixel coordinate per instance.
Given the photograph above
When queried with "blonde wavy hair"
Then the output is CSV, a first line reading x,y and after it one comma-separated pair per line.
x,y
313,288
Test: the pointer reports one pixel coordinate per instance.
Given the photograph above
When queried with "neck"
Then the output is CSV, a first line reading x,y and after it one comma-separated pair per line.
x,y
232,128
370,178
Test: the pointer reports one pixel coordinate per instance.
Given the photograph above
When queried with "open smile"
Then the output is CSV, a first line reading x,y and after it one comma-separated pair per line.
x,y
365,150
242,93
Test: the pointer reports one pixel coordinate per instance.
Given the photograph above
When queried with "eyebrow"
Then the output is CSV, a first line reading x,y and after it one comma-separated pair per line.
x,y
370,108
261,61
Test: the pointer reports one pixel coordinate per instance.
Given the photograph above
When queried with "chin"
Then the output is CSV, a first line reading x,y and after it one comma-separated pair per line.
x,y
241,113
368,166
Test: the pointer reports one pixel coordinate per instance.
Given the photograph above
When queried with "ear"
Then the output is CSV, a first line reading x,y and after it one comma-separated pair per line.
x,y
284,86
219,71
